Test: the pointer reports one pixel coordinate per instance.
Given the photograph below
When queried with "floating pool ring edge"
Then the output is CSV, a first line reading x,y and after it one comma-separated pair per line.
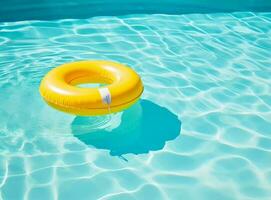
x,y
59,87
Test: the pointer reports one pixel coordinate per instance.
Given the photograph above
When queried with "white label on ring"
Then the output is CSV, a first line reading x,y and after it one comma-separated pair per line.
x,y
105,94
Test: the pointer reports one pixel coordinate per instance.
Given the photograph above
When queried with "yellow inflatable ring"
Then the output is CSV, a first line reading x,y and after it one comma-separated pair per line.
x,y
59,90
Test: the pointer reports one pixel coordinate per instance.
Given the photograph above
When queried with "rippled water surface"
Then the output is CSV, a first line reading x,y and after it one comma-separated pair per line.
x,y
201,131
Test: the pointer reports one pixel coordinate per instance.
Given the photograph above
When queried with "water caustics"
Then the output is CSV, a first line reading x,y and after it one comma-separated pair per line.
x,y
202,129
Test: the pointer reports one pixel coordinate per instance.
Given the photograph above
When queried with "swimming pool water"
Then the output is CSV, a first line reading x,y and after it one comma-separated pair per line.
x,y
201,131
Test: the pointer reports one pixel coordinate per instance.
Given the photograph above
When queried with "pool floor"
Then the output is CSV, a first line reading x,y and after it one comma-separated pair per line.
x,y
202,129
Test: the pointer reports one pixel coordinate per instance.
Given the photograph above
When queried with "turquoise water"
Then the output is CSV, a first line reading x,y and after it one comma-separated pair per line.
x,y
202,129
18,10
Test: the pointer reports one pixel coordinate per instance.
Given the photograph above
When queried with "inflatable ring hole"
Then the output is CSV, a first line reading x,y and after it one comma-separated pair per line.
x,y
88,80
91,85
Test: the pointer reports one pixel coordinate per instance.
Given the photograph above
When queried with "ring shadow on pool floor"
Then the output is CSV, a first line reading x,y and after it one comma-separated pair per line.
x,y
142,128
